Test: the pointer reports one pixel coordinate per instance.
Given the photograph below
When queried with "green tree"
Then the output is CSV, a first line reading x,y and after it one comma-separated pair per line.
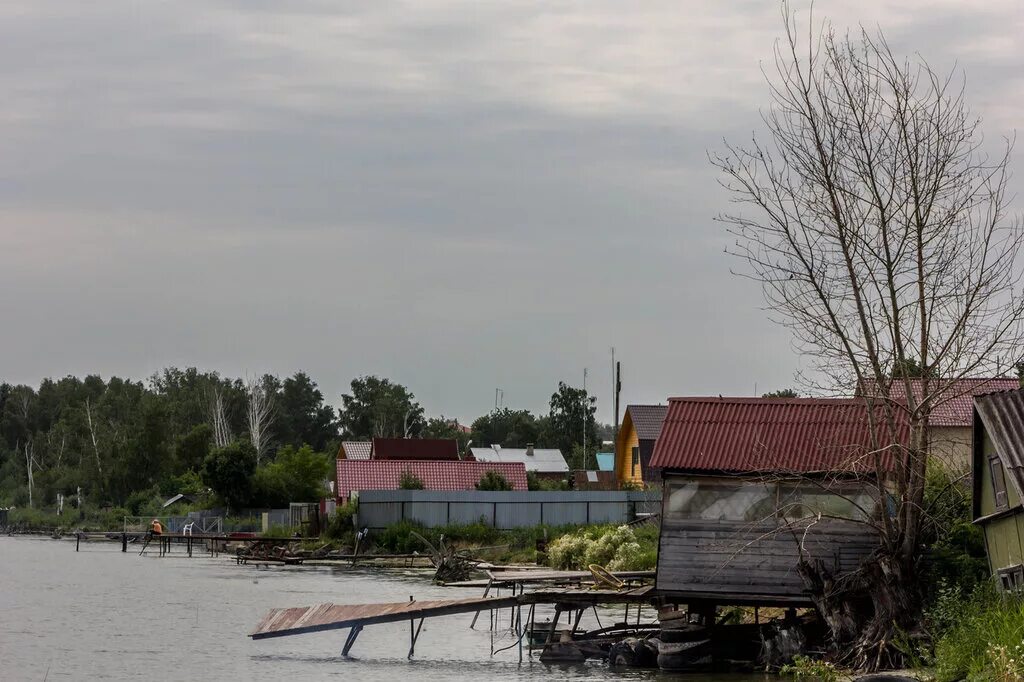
x,y
302,416
442,427
229,473
295,475
191,449
572,416
378,408
410,481
492,480
506,427
782,393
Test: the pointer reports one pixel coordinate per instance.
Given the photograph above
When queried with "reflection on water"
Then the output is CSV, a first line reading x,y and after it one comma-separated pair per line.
x,y
101,614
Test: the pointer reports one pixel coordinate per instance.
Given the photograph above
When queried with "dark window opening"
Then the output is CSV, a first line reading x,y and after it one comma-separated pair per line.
x,y
636,460
1011,578
998,482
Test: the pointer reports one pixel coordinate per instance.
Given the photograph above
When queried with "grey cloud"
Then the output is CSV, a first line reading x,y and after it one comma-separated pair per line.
x,y
459,196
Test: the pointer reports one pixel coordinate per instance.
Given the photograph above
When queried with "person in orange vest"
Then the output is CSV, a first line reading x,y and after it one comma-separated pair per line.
x,y
155,528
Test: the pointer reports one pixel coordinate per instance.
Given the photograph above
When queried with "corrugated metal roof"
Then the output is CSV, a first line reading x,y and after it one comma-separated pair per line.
x,y
1002,415
377,474
357,449
543,460
762,434
415,448
955,403
647,420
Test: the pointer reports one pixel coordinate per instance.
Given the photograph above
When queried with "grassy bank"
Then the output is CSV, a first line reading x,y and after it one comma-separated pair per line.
x,y
984,640
569,547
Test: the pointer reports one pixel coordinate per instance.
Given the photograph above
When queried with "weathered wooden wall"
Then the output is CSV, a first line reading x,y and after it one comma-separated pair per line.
x,y
740,562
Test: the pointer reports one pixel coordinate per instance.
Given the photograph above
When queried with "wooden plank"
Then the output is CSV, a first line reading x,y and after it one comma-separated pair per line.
x,y
320,617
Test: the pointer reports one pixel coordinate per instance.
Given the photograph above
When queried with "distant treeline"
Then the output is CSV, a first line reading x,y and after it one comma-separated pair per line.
x,y
257,442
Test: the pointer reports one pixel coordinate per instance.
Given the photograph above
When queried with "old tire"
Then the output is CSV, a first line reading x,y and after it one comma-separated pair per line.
x,y
691,633
684,655
622,653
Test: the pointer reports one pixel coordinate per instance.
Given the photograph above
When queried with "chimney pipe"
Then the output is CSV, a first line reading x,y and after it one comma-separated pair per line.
x,y
529,449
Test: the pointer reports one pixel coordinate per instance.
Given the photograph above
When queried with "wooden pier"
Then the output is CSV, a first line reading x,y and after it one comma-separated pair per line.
x,y
318,618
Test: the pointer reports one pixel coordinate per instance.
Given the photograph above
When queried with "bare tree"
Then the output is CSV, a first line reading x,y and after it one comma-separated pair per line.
x,y
92,436
877,226
260,415
30,464
218,418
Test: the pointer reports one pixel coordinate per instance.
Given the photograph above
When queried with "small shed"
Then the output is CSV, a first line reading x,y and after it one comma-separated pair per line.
x,y
748,482
634,446
998,468
545,462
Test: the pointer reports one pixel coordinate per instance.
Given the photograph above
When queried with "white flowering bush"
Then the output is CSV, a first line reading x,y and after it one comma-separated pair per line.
x,y
1007,664
617,549
568,552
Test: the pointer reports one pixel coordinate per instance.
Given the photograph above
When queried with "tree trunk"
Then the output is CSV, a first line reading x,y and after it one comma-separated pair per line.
x,y
866,610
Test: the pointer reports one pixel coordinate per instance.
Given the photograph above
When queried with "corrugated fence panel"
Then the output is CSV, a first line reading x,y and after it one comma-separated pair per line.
x,y
514,509
380,514
463,513
430,514
517,515
608,512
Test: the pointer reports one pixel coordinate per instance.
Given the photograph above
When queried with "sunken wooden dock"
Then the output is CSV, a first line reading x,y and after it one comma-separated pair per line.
x,y
286,622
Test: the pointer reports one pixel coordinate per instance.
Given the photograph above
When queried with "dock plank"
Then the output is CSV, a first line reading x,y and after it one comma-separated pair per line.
x,y
320,617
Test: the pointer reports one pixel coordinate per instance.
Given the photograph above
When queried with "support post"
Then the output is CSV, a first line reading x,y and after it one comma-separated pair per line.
x,y
576,623
78,540
413,637
486,592
124,542
554,623
351,639
519,629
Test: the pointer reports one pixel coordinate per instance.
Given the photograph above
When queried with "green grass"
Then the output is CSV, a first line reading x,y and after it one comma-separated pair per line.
x,y
511,546
984,638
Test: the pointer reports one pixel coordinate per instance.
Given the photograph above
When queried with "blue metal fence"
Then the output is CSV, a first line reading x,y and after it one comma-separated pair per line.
x,y
503,510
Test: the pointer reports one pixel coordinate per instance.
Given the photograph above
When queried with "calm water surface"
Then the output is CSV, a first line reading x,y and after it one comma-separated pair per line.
x,y
102,615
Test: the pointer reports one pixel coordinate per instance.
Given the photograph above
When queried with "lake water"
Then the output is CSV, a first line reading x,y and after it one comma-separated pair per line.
x,y
99,614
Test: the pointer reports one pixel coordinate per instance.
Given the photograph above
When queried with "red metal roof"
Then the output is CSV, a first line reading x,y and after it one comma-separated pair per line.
x,y
416,448
955,402
766,434
377,474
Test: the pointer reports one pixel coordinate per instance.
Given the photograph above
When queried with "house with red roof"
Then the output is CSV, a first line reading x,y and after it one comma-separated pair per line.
x,y
355,475
753,484
952,416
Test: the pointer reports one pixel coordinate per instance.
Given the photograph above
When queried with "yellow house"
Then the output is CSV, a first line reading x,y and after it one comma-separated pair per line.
x,y
640,428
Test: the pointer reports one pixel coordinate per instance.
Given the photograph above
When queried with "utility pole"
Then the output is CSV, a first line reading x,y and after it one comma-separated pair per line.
x,y
616,390
585,417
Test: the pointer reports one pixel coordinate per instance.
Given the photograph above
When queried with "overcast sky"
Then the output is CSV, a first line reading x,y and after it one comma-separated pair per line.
x,y
456,195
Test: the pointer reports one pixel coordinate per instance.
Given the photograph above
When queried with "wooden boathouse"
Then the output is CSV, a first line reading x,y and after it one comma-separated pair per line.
x,y
753,484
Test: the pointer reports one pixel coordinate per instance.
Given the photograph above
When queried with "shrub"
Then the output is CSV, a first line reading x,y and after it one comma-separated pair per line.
x,y
492,480
398,539
339,526
616,548
803,667
410,481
